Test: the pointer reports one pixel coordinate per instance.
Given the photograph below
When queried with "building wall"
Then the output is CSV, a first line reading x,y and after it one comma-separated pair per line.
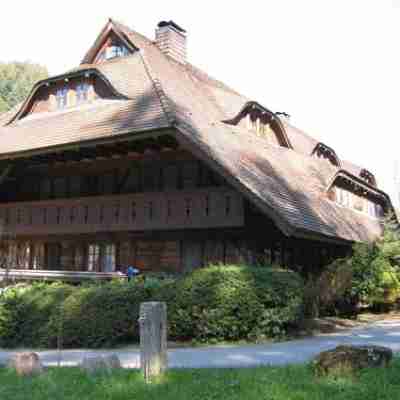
x,y
253,240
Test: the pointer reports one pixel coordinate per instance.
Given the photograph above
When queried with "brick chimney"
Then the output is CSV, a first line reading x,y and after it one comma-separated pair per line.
x,y
171,39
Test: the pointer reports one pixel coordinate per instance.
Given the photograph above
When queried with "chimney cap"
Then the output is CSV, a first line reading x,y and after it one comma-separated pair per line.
x,y
171,23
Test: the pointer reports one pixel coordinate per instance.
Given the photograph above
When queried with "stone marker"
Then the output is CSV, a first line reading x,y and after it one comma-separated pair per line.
x,y
153,339
26,364
352,358
95,364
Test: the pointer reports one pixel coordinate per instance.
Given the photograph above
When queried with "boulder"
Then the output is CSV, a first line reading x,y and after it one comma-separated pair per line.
x,y
95,364
26,364
352,358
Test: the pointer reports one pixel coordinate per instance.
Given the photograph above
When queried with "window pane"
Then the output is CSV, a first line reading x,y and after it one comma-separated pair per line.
x,y
109,258
93,257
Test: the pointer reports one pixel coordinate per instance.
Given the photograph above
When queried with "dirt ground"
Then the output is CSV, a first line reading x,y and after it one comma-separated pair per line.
x,y
335,324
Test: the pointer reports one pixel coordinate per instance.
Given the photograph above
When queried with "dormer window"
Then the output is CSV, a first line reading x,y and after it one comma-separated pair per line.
x,y
62,98
118,51
263,122
324,152
258,124
356,201
115,50
82,93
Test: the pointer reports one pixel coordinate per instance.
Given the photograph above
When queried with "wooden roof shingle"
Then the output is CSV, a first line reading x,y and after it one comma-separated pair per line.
x,y
156,92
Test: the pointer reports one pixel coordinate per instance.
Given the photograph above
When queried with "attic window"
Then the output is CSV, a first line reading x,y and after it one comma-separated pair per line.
x,y
357,202
82,93
62,97
258,124
115,50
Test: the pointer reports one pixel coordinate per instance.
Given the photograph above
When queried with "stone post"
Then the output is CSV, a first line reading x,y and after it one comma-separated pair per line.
x,y
153,339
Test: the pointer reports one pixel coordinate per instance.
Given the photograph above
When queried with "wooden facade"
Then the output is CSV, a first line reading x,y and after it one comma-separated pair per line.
x,y
157,210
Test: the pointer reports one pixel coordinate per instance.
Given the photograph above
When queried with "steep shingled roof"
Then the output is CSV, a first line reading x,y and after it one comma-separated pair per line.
x,y
157,92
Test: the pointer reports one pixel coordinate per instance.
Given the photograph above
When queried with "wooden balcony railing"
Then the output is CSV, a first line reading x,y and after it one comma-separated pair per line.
x,y
201,208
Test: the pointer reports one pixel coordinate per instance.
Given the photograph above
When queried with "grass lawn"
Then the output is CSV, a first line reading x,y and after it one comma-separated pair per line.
x,y
283,383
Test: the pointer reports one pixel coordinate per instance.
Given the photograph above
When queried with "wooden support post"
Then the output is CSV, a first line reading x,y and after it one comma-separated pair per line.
x,y
153,339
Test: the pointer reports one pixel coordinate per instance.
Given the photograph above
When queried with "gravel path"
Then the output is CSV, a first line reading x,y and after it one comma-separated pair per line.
x,y
385,333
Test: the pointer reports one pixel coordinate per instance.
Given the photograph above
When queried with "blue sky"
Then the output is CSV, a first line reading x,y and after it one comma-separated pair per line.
x,y
332,64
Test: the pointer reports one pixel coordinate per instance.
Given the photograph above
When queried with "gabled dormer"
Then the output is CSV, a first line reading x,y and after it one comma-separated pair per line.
x,y
110,44
262,122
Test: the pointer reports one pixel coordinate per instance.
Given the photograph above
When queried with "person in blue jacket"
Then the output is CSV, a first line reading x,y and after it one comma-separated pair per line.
x,y
131,272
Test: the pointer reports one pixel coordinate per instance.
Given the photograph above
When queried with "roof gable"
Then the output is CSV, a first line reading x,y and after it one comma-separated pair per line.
x,y
109,36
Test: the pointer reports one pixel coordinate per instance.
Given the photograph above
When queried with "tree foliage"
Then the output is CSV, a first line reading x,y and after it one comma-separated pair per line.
x,y
17,80
371,276
376,274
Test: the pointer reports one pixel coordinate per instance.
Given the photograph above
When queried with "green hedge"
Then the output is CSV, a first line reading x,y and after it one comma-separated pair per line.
x,y
214,303
231,303
26,313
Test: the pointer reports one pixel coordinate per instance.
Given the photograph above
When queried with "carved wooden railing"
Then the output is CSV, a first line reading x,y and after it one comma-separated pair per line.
x,y
201,208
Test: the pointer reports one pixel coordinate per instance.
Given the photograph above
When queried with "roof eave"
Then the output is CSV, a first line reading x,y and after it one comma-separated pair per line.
x,y
185,139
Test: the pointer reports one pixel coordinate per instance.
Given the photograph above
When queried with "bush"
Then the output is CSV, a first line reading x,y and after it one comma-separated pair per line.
x,y
215,303
231,303
102,315
26,312
326,294
376,277
369,277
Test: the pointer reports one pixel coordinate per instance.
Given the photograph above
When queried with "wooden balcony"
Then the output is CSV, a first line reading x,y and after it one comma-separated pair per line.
x,y
199,208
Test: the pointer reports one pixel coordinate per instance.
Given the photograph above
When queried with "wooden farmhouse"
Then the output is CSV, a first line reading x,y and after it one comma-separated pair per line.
x,y
137,157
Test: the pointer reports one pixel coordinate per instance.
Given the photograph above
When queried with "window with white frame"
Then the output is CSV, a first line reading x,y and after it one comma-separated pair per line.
x,y
93,257
82,93
115,50
109,258
12,255
62,97
352,200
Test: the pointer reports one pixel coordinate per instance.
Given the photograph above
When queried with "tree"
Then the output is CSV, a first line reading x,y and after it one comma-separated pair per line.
x,y
16,82
376,275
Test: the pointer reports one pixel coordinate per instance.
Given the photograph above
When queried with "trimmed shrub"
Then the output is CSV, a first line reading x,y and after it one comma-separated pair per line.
x,y
26,312
214,303
231,303
102,315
